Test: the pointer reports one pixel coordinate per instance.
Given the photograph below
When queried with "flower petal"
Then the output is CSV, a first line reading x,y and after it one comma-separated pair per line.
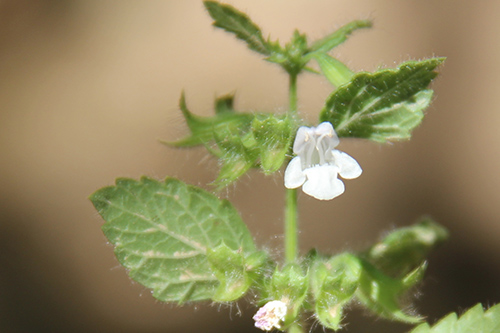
x,y
348,166
304,140
270,315
325,129
294,176
322,182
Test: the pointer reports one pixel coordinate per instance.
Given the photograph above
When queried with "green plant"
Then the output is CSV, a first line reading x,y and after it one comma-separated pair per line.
x,y
187,245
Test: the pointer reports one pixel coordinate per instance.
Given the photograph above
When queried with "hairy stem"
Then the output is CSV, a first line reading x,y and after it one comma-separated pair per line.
x,y
292,94
291,232
291,221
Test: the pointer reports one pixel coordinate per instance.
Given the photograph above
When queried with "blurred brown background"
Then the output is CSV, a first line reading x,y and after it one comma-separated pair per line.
x,y
87,87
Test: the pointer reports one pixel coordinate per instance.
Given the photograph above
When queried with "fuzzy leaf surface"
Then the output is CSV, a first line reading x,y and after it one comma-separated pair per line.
x,y
474,320
335,71
232,20
240,141
162,232
203,129
381,293
405,248
289,284
334,283
273,135
382,106
235,270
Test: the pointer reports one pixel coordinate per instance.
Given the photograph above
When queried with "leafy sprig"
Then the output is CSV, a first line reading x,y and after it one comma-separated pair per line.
x,y
188,245
294,55
241,141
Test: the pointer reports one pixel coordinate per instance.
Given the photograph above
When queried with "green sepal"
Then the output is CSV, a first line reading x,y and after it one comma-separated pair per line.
x,y
162,232
235,270
291,57
405,248
475,320
337,37
273,135
334,70
289,285
240,141
238,154
334,282
203,128
232,20
381,293
382,106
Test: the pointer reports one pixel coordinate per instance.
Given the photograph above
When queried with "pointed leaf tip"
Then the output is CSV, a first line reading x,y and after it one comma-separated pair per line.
x,y
382,106
232,20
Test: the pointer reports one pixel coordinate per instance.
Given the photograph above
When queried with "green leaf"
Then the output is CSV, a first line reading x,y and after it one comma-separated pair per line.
x,y
203,128
381,293
241,141
474,320
334,283
273,135
335,71
339,36
405,248
162,232
236,22
224,104
381,106
235,270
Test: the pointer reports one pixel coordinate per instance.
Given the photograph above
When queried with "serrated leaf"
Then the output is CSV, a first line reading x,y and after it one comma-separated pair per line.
x,y
162,232
381,106
273,135
405,248
334,283
335,71
381,293
203,128
236,22
474,320
339,36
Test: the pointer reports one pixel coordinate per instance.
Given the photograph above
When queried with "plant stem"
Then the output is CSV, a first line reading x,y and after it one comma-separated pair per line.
x,y
292,94
291,232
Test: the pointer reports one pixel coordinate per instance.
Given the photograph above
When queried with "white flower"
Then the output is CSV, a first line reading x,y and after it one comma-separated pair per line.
x,y
317,164
270,315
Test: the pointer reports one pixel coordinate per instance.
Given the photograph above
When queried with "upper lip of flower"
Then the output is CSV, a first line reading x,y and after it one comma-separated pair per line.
x,y
318,164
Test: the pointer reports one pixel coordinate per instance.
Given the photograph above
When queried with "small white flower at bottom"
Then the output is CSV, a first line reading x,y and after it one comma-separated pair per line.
x,y
317,164
270,315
